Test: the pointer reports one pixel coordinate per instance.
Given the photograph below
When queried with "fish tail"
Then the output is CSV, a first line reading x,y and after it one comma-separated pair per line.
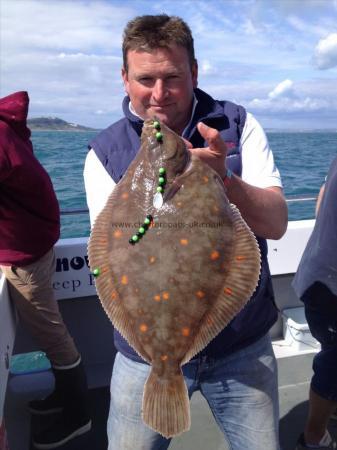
x,y
166,406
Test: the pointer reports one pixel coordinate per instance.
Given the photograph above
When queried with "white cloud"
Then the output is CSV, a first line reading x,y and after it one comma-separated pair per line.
x,y
206,68
67,54
283,89
249,27
62,25
286,105
305,26
290,99
325,56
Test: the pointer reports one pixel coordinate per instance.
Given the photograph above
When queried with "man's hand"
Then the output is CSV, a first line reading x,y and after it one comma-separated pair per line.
x,y
264,209
215,154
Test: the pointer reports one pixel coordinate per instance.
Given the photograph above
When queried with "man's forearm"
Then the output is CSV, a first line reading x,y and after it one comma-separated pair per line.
x,y
319,199
264,210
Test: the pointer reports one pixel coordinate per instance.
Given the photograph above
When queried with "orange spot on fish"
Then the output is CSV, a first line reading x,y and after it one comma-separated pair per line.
x,y
113,295
185,331
166,295
215,255
125,195
156,298
103,241
228,291
152,259
117,234
205,179
164,357
184,241
215,208
209,321
200,294
143,328
105,269
124,279
179,204
240,258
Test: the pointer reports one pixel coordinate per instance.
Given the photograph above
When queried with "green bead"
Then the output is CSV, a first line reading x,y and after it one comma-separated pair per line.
x,y
147,221
161,180
159,136
156,125
96,272
141,230
162,171
135,238
159,189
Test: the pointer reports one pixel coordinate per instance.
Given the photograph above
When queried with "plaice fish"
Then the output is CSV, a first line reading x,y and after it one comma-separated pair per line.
x,y
174,263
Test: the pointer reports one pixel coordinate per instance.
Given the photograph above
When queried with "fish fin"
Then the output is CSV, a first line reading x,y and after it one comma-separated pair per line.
x,y
166,406
239,285
106,285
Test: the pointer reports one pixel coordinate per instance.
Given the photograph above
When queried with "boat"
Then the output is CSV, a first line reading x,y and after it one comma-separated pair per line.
x,y
293,345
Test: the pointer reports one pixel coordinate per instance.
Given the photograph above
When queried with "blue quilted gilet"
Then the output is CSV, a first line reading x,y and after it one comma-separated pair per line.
x,y
117,146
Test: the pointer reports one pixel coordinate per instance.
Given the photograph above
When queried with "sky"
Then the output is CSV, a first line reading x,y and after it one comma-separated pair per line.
x,y
277,58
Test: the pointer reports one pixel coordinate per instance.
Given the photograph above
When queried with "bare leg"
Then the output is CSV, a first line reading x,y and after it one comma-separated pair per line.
x,y
320,411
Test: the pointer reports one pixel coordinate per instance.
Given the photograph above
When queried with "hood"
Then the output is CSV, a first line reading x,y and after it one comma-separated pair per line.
x,y
14,111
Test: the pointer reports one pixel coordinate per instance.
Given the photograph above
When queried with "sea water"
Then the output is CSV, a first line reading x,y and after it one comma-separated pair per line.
x,y
303,159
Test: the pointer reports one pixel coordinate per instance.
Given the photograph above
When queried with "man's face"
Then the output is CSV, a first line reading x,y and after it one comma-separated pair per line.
x,y
161,84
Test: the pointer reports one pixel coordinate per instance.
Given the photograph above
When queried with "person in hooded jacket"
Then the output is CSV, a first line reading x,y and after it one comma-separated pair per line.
x,y
30,226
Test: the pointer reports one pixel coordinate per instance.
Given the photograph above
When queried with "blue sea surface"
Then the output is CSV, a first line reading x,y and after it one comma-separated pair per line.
x,y
62,154
303,159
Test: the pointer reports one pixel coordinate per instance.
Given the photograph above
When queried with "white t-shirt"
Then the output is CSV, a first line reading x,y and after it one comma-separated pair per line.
x,y
258,167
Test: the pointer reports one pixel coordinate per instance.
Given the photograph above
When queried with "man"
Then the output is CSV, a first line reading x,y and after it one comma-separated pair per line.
x,y
315,283
29,223
237,370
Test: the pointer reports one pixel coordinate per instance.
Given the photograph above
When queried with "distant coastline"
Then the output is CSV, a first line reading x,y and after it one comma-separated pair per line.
x,y
55,124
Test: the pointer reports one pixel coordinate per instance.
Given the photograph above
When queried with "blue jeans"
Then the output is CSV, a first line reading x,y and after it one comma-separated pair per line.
x,y
241,390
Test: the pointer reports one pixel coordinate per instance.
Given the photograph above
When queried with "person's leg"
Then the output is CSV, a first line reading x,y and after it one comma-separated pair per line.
x,y
30,288
125,429
3,436
241,390
31,291
321,314
320,410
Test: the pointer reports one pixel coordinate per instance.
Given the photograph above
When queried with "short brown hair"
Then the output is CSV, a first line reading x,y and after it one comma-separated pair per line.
x,y
150,32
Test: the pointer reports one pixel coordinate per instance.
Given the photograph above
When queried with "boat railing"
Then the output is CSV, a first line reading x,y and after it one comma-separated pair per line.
x,y
301,198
